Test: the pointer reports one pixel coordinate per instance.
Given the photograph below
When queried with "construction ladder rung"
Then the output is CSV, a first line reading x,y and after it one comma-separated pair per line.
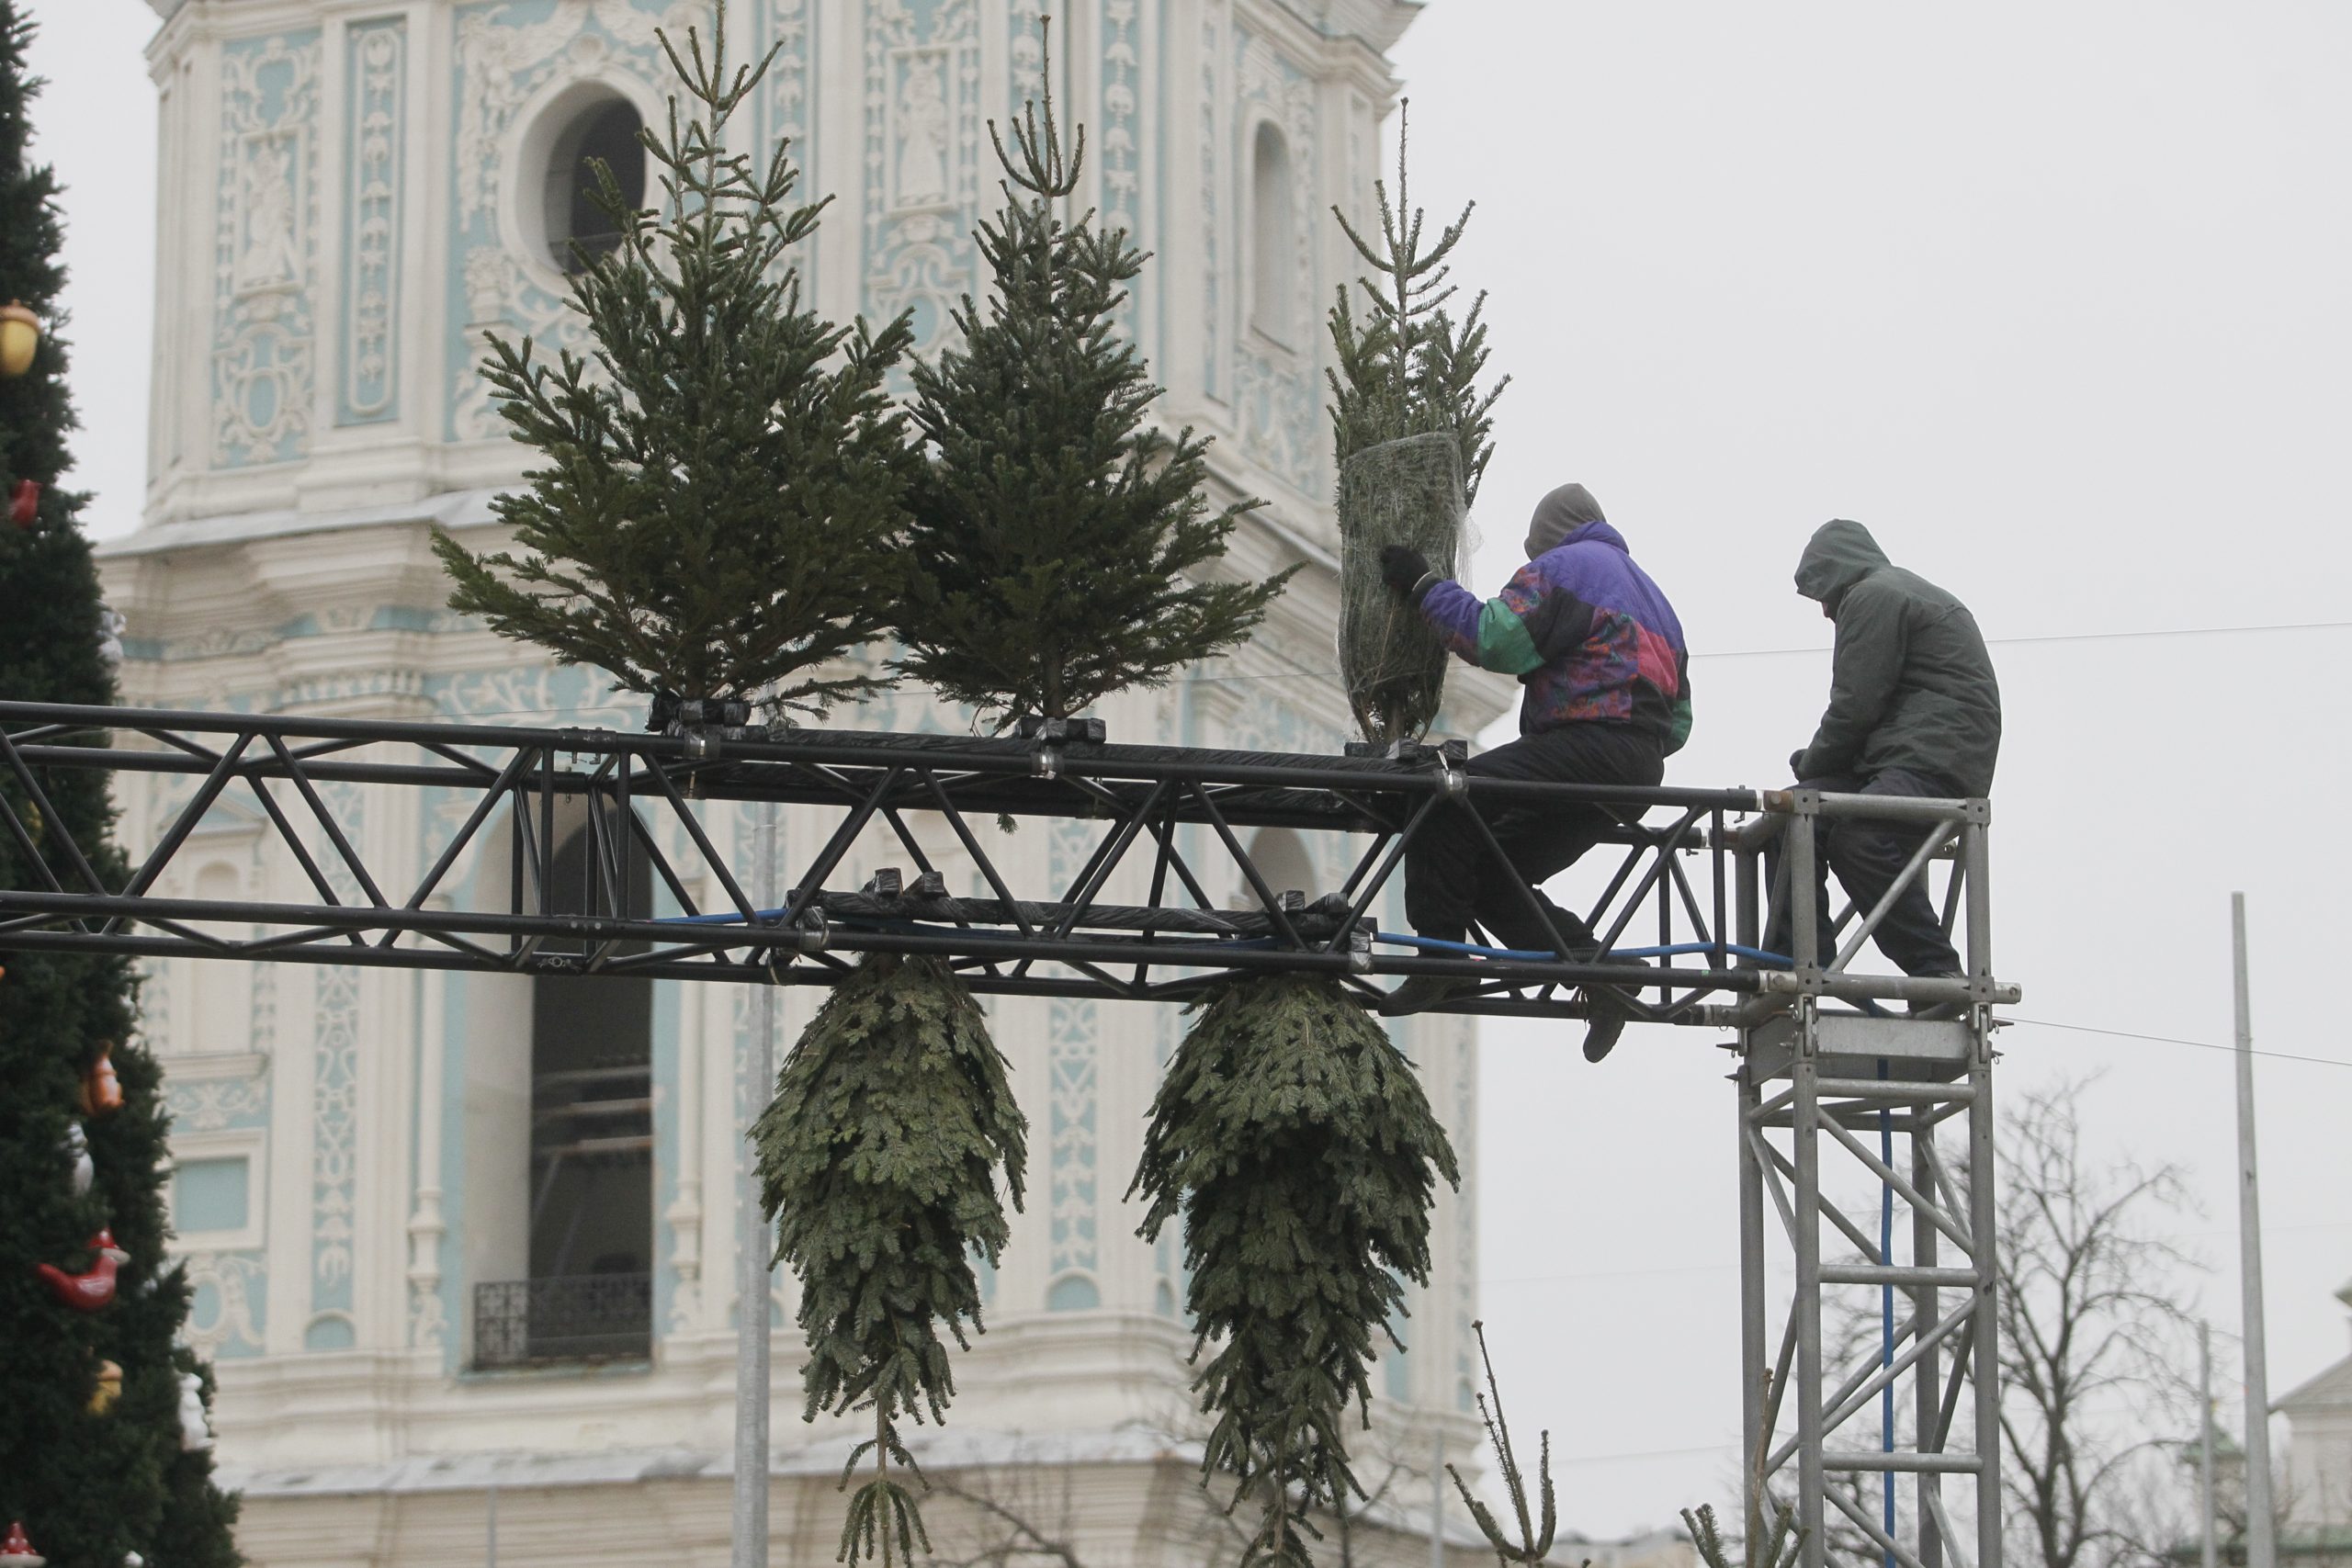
x,y
1899,1276
1864,1458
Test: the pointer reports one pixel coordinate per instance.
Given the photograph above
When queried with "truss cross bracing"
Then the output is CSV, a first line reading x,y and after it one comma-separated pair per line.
x,y
1842,1090
1866,1154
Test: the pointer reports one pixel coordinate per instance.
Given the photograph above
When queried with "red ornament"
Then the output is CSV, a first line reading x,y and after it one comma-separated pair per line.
x,y
24,505
90,1291
16,1552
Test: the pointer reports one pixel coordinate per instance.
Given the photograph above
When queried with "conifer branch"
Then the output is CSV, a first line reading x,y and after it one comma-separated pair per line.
x,y
1298,1147
878,1161
721,478
1060,548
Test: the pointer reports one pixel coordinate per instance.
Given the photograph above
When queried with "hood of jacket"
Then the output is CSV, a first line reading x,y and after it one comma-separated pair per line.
x,y
1839,555
1560,514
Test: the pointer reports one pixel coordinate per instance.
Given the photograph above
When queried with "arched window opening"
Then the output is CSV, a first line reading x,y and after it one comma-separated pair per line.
x,y
588,1290
1281,858
578,229
1273,237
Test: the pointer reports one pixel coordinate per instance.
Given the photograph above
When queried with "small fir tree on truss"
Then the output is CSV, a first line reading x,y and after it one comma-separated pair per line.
x,y
721,478
1059,540
1412,436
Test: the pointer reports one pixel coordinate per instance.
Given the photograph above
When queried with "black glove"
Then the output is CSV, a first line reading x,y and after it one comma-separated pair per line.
x,y
1402,567
1796,762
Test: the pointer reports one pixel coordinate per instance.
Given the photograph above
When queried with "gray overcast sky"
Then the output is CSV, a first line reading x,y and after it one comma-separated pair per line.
x,y
2052,297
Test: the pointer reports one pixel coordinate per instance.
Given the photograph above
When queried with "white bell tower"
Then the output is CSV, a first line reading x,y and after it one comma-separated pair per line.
x,y
353,193
355,190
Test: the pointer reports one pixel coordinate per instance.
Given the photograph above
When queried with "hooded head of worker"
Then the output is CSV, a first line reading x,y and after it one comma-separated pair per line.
x,y
1560,514
1839,555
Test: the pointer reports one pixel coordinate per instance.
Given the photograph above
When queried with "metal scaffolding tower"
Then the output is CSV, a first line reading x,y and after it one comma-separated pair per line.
x,y
1841,1130
1841,1099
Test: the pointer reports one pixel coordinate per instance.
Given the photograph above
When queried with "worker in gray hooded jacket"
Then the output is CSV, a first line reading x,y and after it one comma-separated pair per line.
x,y
1914,710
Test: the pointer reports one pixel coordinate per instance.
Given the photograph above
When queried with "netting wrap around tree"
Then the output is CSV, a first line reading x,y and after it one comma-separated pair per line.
x,y
1406,492
1411,431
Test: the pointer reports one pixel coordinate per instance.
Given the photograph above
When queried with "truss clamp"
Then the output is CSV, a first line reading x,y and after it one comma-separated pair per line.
x,y
891,883
1451,752
1054,736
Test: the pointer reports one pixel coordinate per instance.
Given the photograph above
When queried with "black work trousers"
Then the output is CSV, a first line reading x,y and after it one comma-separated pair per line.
x,y
1868,856
1451,877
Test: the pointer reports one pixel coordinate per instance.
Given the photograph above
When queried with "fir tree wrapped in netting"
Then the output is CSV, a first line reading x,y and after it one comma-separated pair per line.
x,y
1059,544
1298,1145
104,1452
878,1162
1405,387
721,479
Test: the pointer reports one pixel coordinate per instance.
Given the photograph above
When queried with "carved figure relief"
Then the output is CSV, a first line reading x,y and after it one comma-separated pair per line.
x,y
922,130
270,256
263,246
923,146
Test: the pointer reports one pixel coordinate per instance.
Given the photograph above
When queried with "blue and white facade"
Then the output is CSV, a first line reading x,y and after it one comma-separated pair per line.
x,y
353,191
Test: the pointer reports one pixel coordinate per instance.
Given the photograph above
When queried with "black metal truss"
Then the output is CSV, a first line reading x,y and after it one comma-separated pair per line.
x,y
1673,889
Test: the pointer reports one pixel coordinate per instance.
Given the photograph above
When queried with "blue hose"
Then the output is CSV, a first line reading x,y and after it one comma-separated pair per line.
x,y
1545,956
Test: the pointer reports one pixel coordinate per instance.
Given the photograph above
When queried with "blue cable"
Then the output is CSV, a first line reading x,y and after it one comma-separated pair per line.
x,y
1544,955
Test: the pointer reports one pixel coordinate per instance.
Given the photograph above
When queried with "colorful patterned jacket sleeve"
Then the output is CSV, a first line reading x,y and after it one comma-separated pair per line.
x,y
1587,633
1491,634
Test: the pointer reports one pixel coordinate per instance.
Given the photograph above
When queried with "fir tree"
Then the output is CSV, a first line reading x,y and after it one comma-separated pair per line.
x,y
1407,366
1059,542
89,1486
878,1159
1406,380
721,482
1298,1147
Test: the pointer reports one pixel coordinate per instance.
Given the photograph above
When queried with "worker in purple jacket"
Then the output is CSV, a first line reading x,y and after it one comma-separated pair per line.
x,y
1601,653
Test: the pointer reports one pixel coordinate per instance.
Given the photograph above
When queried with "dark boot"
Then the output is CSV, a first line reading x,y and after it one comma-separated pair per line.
x,y
1607,1017
1419,993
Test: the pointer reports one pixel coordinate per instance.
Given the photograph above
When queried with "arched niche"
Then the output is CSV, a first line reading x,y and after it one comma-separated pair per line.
x,y
1273,236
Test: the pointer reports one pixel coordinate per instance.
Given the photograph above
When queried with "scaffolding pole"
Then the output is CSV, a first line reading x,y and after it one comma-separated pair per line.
x,y
1844,1117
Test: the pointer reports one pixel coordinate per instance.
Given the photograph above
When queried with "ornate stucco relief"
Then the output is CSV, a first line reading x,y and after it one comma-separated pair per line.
x,y
266,241
376,85
1212,290
230,1306
1073,1042
1116,137
507,53
922,145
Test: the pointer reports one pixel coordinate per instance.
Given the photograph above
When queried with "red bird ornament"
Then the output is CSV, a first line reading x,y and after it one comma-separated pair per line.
x,y
90,1291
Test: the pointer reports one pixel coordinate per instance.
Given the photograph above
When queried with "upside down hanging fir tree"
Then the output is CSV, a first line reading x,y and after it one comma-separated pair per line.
x,y
97,1464
1299,1149
878,1162
1059,544
721,479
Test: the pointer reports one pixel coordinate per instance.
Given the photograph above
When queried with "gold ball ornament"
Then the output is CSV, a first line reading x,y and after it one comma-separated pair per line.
x,y
19,336
109,1388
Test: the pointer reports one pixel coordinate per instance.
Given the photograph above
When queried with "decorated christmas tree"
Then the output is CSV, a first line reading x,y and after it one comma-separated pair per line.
x,y
1061,545
720,480
104,1458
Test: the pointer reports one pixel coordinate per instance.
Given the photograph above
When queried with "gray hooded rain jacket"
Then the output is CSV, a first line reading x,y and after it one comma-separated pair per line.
x,y
1913,685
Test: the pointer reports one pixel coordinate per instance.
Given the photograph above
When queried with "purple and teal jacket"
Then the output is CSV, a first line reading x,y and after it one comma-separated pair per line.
x,y
1585,631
